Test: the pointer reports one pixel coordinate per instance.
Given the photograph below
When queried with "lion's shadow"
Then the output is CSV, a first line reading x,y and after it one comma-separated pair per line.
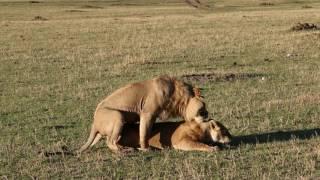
x,y
275,137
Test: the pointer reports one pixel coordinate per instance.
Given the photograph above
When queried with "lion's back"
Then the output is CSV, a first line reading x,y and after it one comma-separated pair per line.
x,y
132,96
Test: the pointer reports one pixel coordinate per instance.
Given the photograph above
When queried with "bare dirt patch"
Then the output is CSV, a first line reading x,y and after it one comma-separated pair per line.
x,y
91,7
196,3
34,2
266,4
39,18
305,27
61,151
306,7
218,77
159,62
75,10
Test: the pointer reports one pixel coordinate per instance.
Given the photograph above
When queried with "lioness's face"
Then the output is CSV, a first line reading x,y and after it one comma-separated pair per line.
x,y
219,133
196,109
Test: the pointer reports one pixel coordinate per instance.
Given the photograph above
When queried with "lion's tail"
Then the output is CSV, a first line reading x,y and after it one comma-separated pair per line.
x,y
93,137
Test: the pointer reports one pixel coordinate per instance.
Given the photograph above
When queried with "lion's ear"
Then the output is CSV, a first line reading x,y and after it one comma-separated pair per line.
x,y
197,92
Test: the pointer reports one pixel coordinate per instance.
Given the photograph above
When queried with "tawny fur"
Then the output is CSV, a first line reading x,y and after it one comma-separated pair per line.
x,y
187,136
145,101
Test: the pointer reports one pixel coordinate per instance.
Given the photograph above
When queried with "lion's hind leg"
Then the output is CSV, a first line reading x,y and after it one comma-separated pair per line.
x,y
191,145
118,123
109,123
96,139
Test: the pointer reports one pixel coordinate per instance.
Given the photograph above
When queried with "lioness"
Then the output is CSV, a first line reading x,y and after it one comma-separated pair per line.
x,y
187,136
144,101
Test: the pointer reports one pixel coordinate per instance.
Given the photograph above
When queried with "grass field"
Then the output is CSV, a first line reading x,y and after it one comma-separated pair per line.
x,y
259,78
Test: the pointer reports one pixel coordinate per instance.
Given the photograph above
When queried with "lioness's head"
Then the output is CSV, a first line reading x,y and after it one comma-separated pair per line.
x,y
196,110
219,133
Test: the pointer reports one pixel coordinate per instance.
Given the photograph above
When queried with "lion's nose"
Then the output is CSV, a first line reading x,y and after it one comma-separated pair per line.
x,y
205,114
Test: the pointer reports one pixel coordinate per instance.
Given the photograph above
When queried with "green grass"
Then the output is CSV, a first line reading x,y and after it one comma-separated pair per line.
x,y
55,71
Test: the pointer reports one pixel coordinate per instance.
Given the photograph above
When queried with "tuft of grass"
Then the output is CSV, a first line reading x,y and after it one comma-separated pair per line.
x,y
259,79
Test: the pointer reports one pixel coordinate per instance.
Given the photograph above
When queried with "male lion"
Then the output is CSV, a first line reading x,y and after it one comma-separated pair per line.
x,y
161,97
187,136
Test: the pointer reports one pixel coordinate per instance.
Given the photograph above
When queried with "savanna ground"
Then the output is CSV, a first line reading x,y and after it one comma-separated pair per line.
x,y
261,79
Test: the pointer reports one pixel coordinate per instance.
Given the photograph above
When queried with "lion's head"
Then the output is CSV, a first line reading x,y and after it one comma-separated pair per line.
x,y
186,102
196,109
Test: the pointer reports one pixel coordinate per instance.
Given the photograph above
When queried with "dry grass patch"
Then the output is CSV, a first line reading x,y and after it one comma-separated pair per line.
x,y
311,99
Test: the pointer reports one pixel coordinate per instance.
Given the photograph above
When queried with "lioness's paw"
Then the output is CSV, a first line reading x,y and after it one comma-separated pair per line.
x,y
215,148
144,149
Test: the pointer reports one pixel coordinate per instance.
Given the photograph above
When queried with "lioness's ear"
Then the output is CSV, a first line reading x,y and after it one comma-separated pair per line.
x,y
197,92
212,124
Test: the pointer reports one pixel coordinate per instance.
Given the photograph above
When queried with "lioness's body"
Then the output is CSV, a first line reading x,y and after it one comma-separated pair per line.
x,y
160,136
144,101
188,136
